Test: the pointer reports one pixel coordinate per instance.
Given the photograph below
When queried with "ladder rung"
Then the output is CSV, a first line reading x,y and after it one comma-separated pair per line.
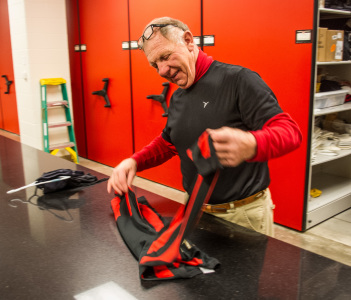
x,y
56,103
61,146
59,124
52,81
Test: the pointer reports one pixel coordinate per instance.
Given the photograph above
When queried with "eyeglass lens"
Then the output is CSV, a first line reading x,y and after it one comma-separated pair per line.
x,y
146,35
148,32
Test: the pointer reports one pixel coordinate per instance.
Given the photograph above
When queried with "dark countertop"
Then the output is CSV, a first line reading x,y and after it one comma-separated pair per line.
x,y
75,249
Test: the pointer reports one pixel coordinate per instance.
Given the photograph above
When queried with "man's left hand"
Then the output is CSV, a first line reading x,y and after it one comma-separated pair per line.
x,y
232,145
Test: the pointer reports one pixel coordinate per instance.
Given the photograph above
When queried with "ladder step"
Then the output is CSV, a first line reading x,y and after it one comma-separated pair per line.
x,y
59,124
61,146
52,81
57,103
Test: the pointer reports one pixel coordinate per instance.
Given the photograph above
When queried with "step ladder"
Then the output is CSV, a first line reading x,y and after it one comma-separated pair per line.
x,y
70,146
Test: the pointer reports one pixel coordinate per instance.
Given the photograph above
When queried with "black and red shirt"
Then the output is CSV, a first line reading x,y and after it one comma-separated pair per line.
x,y
224,95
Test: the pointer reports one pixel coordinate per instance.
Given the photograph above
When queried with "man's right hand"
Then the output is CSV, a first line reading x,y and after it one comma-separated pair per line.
x,y
122,176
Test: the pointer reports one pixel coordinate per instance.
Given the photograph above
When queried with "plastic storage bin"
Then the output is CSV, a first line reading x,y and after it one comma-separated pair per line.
x,y
327,99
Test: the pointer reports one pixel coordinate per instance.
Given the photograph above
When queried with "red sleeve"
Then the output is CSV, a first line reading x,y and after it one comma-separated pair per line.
x,y
278,136
154,154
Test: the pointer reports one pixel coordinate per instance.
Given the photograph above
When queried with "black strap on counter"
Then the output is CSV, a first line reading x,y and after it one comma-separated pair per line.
x,y
77,179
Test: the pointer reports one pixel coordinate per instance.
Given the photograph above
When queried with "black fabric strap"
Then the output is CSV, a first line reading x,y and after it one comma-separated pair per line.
x,y
77,179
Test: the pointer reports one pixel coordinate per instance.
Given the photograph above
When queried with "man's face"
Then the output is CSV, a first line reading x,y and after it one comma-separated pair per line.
x,y
173,61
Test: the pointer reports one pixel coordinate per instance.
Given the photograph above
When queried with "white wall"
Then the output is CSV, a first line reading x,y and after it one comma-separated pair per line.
x,y
39,50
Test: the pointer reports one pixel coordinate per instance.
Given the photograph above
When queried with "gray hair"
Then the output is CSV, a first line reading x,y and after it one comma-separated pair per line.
x,y
168,32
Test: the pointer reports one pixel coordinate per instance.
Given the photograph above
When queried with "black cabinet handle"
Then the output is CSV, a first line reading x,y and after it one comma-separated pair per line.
x,y
103,92
8,83
162,98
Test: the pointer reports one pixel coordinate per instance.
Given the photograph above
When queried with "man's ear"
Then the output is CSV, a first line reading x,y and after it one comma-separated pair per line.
x,y
188,40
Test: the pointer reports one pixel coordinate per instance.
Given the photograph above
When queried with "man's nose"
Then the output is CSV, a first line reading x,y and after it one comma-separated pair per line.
x,y
163,69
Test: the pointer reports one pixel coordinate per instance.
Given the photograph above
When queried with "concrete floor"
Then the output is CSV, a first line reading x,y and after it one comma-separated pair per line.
x,y
331,238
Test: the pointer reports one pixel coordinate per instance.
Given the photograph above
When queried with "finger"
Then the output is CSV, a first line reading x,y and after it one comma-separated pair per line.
x,y
112,185
221,147
130,178
227,162
117,189
209,131
222,155
219,138
122,182
109,186
219,135
224,162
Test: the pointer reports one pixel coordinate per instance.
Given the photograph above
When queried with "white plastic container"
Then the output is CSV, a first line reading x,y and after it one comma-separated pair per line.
x,y
327,99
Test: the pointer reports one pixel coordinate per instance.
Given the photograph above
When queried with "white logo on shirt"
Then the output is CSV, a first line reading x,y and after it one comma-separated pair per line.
x,y
205,103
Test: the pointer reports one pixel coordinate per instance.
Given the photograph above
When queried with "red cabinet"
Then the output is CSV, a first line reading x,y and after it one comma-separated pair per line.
x,y
108,136
8,103
260,35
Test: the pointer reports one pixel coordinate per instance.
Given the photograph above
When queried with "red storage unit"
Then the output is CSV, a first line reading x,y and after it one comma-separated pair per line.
x,y
8,103
260,35
108,129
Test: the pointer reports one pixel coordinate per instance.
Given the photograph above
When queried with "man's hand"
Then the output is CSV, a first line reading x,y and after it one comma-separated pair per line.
x,y
232,145
122,176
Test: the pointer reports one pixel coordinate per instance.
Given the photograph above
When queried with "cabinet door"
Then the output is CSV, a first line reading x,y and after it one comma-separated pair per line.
x,y
8,104
75,63
260,35
148,120
103,27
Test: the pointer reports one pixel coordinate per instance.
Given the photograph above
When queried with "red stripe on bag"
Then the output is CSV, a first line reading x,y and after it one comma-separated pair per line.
x,y
162,272
128,204
212,186
151,217
115,204
173,251
193,262
190,154
204,145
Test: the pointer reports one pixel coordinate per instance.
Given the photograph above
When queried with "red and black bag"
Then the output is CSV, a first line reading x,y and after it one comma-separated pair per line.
x,y
158,245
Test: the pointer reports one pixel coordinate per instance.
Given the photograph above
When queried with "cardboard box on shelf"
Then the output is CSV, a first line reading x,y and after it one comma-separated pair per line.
x,y
334,45
322,40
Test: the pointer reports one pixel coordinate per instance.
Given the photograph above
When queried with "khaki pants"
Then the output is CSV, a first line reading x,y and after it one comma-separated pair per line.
x,y
257,215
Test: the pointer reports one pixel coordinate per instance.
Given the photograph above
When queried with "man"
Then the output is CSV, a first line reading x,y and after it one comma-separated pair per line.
x,y
236,108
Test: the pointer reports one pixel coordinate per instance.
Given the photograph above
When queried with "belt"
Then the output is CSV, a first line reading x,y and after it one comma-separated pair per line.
x,y
230,206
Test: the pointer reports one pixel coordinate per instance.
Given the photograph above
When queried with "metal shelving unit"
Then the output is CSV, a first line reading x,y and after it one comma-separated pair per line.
x,y
331,174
